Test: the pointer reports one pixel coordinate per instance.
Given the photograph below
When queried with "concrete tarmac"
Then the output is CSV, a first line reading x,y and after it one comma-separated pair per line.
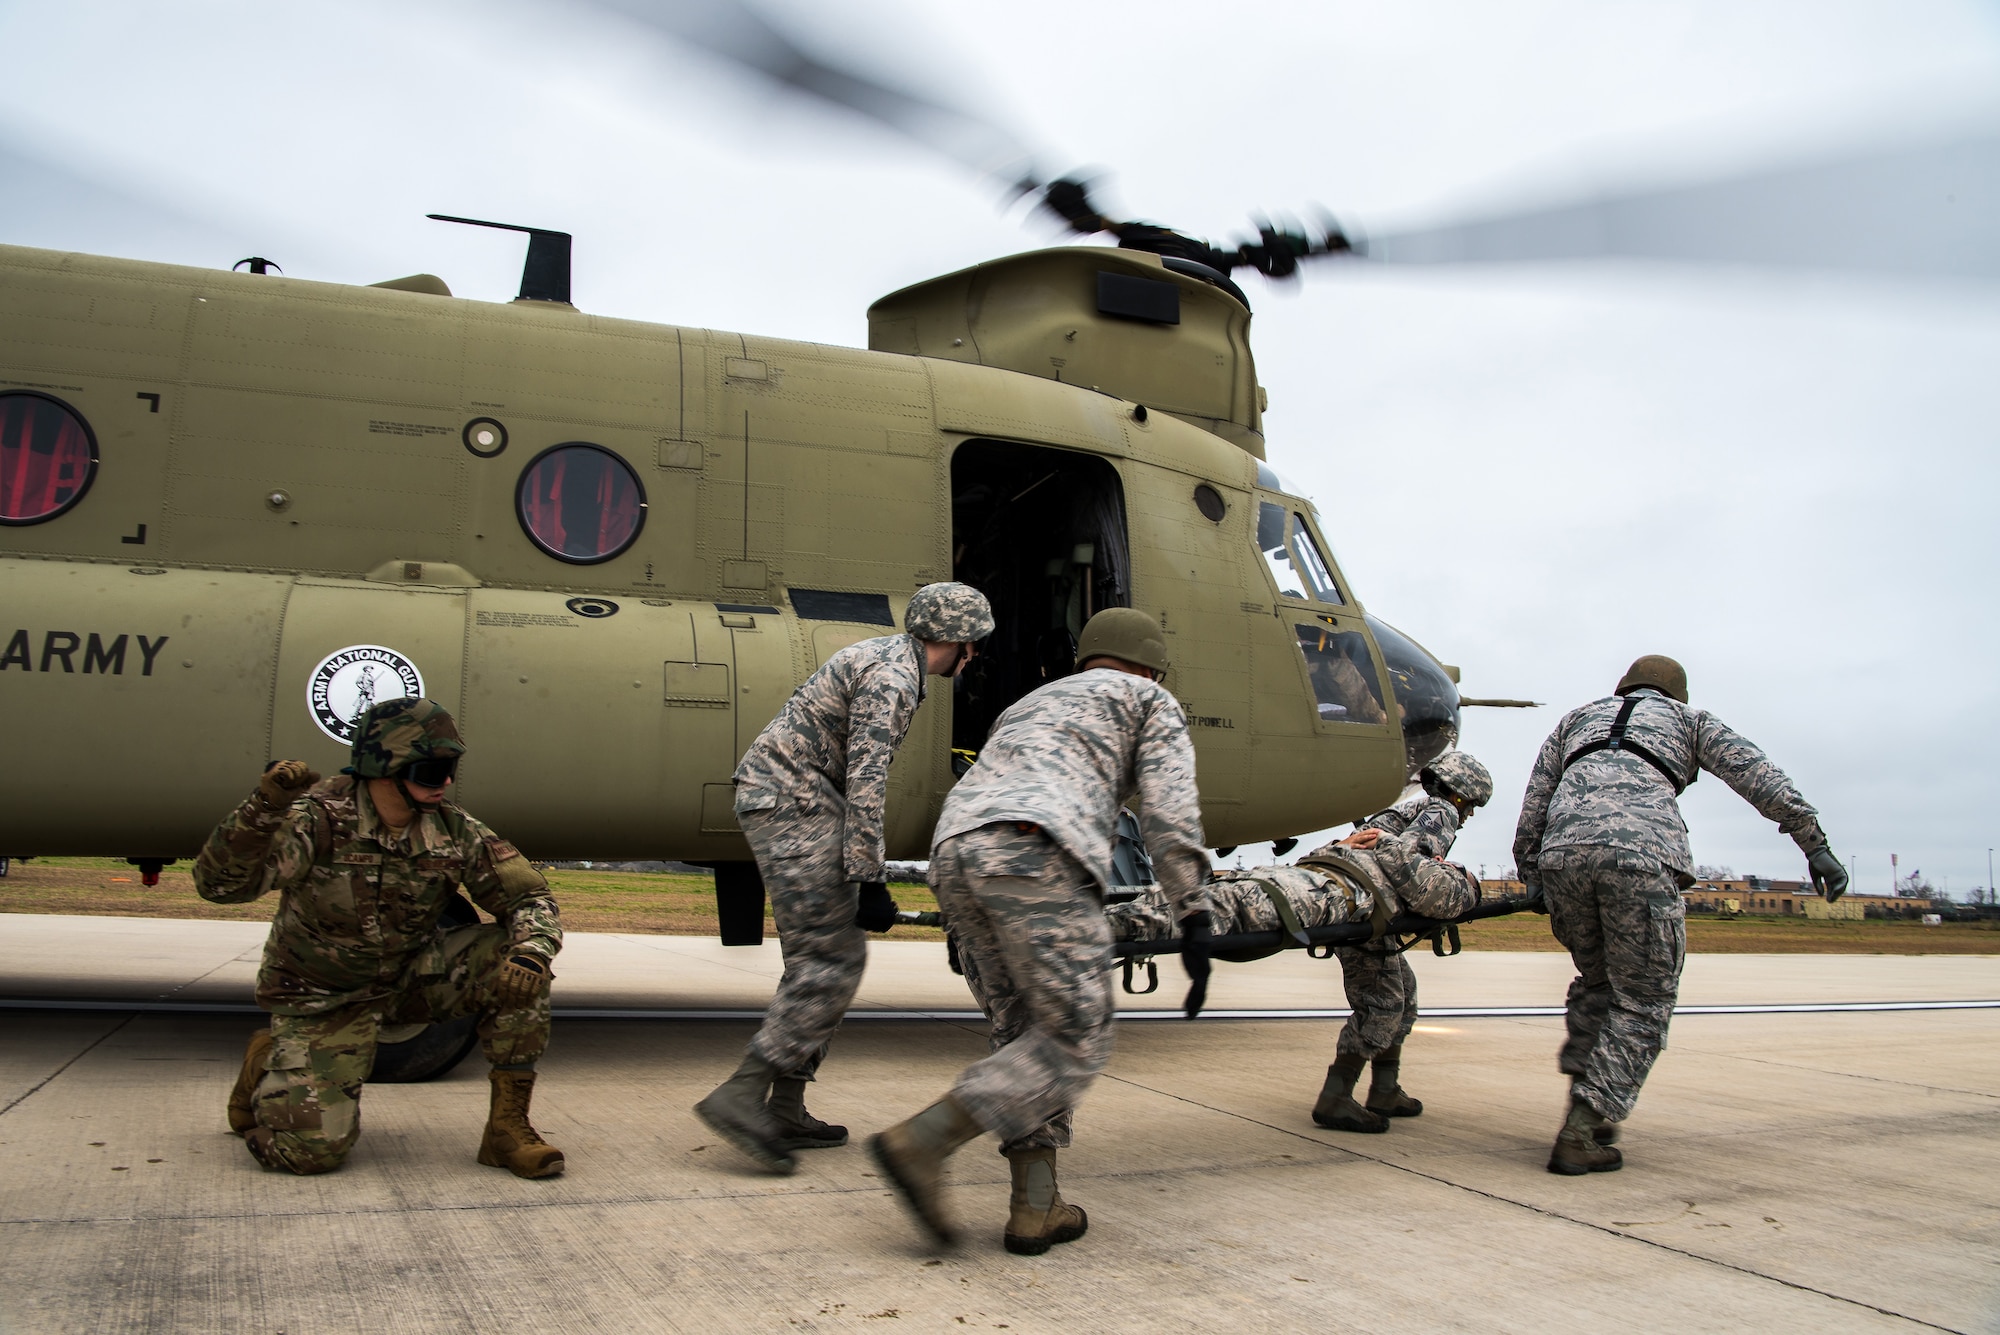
x,y
1822,1172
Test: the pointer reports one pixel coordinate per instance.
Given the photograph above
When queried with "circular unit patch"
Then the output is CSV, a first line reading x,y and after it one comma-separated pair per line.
x,y
349,681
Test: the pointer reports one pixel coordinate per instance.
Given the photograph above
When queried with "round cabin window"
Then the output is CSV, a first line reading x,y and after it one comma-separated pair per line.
x,y
580,503
1209,501
48,457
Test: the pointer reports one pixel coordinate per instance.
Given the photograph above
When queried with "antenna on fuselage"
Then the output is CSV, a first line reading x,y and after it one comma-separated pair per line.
x,y
545,275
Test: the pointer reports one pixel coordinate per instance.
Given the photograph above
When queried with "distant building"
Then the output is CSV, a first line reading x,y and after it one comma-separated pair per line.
x,y
1761,896
1890,906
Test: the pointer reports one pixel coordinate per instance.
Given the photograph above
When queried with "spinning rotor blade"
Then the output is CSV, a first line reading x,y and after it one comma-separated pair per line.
x,y
736,33
1922,210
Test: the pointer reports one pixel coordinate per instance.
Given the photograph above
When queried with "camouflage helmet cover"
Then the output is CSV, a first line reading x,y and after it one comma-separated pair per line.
x,y
1125,633
1661,673
1461,776
396,732
949,614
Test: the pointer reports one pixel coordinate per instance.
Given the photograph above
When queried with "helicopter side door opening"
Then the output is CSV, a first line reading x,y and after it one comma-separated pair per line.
x,y
1041,532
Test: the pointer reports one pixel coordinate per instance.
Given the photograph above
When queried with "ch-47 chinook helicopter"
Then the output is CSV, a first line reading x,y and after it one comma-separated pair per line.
x,y
240,506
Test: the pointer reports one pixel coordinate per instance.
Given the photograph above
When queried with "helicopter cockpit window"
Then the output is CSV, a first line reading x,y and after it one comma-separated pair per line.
x,y
1312,563
1271,541
580,503
1293,557
1343,675
1270,479
48,457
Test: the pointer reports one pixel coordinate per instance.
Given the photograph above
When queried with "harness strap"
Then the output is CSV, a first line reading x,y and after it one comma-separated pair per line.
x,y
1618,741
1364,869
1287,915
1380,915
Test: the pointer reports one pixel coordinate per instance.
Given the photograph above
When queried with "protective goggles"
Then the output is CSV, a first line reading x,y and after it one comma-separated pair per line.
x,y
429,773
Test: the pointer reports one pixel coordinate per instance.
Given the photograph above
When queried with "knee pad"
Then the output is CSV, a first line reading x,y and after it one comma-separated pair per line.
x,y
294,1152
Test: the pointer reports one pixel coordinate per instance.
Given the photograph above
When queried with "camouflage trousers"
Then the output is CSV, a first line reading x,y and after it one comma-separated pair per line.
x,y
1622,919
308,1105
1036,950
1382,994
814,905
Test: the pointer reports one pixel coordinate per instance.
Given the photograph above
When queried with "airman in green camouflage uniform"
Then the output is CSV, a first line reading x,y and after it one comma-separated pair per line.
x,y
364,864
809,795
1020,861
1601,835
1380,985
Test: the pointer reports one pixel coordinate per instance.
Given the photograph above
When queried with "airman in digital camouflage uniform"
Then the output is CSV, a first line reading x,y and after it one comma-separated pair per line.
x,y
1020,861
1381,987
809,796
364,864
1368,876
1601,835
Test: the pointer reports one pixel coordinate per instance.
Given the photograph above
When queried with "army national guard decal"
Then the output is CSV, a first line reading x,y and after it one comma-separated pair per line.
x,y
349,680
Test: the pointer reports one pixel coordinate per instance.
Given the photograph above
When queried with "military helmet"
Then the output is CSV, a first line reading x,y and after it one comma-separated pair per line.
x,y
949,614
1661,673
1126,633
394,733
1461,776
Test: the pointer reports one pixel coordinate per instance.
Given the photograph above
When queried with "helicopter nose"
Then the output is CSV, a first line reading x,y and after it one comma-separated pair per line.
x,y
1425,694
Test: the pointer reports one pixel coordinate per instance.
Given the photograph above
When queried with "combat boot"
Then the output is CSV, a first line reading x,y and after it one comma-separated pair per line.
x,y
1037,1216
797,1128
1604,1133
1578,1150
911,1154
1385,1095
242,1109
511,1142
735,1111
1336,1109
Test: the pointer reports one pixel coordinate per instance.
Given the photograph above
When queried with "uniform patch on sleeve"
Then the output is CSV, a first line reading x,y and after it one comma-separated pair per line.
x,y
518,877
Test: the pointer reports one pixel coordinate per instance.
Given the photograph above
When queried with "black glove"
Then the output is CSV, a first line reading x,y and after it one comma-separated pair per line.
x,y
1536,901
1828,876
876,911
1196,929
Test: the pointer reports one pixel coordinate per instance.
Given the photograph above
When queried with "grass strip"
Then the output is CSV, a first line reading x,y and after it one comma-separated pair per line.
x,y
680,904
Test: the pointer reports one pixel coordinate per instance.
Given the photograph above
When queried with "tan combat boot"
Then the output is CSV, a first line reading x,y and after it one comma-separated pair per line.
x,y
735,1111
1578,1150
511,1142
1385,1094
797,1128
1038,1218
1336,1109
242,1111
912,1154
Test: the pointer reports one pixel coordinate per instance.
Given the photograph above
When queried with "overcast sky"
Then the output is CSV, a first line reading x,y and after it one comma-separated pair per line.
x,y
1785,480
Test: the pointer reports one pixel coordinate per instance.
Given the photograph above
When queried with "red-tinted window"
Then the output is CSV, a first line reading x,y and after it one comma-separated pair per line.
x,y
47,457
580,503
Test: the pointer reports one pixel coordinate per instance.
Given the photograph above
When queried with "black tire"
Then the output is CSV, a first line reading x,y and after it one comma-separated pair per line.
x,y
440,1046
